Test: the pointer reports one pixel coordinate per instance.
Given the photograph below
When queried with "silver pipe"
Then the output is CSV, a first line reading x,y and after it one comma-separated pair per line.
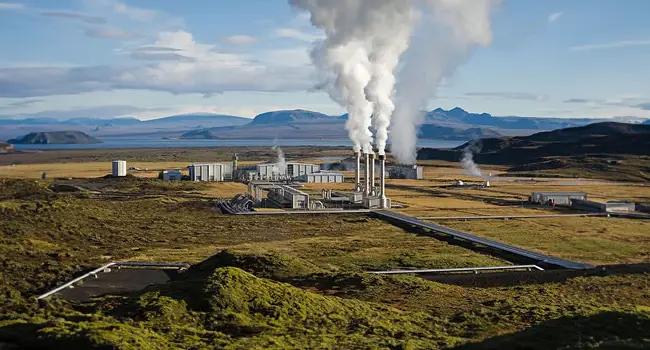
x,y
462,269
118,264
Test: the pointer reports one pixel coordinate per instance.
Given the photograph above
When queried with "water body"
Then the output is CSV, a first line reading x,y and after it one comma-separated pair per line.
x,y
128,142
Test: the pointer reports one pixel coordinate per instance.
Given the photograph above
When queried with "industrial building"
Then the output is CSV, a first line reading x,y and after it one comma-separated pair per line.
x,y
557,198
288,197
171,175
295,170
608,207
119,168
414,172
321,177
210,172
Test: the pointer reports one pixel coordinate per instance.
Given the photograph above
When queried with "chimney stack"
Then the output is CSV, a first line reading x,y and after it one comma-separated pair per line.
x,y
372,174
382,182
366,189
357,171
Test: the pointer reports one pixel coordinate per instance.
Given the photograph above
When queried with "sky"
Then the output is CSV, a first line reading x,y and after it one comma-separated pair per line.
x,y
154,58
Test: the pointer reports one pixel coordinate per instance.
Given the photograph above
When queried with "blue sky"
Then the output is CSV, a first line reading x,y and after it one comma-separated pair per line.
x,y
151,58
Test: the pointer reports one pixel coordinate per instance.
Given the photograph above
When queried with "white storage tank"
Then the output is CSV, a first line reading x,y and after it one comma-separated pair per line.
x,y
119,168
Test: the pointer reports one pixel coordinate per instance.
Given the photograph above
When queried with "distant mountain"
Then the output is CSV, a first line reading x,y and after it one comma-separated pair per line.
x,y
55,137
453,124
647,121
194,118
292,117
301,124
598,138
433,131
459,115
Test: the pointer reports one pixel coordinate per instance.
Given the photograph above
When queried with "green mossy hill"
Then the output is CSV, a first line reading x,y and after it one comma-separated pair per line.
x,y
273,266
238,311
23,189
605,330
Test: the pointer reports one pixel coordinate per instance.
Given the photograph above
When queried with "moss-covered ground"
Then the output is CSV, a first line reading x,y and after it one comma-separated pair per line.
x,y
270,282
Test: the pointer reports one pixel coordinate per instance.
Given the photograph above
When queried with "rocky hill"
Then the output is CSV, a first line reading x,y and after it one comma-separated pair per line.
x,y
55,137
5,147
607,148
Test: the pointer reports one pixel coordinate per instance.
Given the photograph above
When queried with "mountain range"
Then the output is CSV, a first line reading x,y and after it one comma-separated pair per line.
x,y
454,124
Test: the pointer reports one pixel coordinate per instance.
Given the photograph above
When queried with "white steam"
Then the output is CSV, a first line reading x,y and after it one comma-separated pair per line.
x,y
281,161
365,40
444,39
467,161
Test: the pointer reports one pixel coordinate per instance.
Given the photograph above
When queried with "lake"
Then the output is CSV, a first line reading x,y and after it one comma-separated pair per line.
x,y
128,142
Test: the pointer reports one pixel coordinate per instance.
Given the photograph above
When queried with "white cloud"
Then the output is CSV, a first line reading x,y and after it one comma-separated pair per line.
x,y
240,39
296,34
509,95
611,45
11,6
554,16
202,70
75,16
109,33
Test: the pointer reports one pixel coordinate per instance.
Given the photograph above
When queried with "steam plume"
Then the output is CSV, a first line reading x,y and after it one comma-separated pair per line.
x,y
364,42
281,162
344,54
443,41
467,161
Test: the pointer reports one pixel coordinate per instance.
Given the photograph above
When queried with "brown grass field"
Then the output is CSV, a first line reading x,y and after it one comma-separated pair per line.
x,y
298,281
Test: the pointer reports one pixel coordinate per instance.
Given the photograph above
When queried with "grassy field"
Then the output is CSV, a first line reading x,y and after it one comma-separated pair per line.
x,y
595,240
299,281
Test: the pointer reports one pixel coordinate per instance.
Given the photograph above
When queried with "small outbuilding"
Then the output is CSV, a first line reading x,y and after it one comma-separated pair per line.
x,y
414,172
557,198
171,175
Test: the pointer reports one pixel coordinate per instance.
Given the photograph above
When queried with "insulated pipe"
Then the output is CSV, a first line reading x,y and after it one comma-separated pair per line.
x,y
366,190
357,171
382,181
372,174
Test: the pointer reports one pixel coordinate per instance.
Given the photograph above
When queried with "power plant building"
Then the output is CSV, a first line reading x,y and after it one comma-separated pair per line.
x,y
270,171
558,198
210,172
321,177
414,172
297,169
608,207
288,197
119,168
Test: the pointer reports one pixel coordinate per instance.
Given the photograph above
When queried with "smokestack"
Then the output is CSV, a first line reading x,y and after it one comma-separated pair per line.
x,y
357,171
372,174
382,181
366,190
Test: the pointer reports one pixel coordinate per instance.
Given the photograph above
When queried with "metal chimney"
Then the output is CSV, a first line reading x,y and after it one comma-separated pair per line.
x,y
372,174
382,182
366,189
357,171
